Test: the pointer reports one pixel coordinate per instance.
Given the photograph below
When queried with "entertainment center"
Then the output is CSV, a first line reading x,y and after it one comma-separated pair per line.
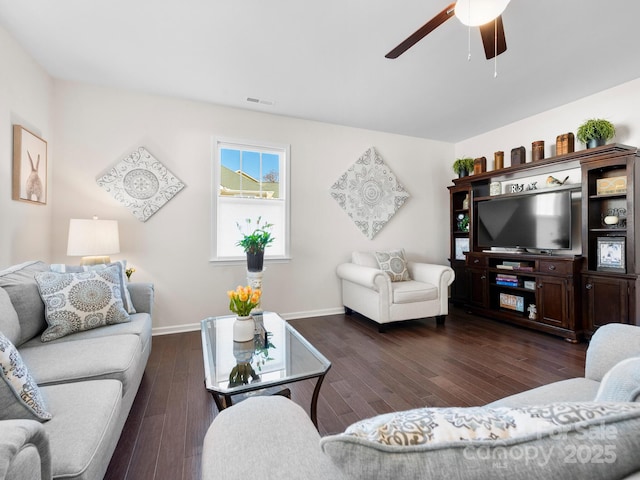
x,y
550,244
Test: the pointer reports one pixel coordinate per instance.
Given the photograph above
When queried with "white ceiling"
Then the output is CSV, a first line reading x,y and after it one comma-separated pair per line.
x,y
324,60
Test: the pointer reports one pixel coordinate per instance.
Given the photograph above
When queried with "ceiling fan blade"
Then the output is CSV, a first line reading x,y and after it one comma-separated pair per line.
x,y
422,32
493,38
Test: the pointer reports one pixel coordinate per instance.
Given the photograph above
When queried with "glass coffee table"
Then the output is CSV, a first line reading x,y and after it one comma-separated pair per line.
x,y
277,355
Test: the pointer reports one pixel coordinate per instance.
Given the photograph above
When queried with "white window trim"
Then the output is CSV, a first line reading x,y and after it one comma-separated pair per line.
x,y
215,178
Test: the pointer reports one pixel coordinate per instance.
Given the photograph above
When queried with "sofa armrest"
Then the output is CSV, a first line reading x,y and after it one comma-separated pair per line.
x,y
141,296
364,276
24,451
265,437
611,344
438,275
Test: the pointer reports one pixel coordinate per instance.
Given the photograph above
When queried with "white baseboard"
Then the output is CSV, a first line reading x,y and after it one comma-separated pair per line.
x,y
192,327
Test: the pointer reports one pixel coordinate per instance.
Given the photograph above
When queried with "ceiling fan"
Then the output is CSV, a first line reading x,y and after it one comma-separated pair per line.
x,y
485,14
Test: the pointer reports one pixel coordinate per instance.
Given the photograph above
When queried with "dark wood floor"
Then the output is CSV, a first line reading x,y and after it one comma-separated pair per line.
x,y
469,361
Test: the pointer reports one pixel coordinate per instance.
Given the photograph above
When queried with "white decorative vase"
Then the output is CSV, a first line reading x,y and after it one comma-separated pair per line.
x,y
243,329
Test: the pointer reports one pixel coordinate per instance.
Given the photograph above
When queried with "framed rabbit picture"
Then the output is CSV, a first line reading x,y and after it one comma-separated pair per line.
x,y
29,166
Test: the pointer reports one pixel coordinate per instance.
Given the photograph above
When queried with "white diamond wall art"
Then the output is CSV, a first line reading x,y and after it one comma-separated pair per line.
x,y
369,193
141,183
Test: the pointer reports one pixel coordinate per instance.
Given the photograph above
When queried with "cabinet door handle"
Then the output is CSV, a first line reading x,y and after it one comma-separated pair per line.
x,y
475,260
539,285
483,277
588,286
552,267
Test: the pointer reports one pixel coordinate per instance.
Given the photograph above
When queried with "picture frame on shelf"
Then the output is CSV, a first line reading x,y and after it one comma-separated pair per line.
x,y
462,245
29,182
611,254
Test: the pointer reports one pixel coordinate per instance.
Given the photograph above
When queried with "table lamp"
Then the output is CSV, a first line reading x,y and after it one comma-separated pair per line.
x,y
93,240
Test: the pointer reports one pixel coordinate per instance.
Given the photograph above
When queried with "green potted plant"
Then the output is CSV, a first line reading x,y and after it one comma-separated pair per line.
x,y
255,242
463,166
595,132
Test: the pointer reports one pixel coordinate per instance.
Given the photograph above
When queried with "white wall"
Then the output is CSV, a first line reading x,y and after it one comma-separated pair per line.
x,y
95,127
25,99
620,105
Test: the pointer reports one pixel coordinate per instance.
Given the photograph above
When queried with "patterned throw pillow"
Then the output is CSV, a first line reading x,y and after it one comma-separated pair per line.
x,y
492,443
393,264
122,268
438,425
80,301
20,396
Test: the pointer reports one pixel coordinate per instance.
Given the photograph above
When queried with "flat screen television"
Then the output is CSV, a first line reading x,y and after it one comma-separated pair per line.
x,y
540,221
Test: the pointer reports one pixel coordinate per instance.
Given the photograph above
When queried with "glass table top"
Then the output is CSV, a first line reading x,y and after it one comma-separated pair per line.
x,y
278,354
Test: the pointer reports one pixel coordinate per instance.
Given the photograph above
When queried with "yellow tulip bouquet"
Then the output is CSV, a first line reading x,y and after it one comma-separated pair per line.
x,y
243,299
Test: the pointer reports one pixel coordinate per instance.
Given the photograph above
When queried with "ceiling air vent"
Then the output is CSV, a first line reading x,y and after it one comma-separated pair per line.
x,y
260,101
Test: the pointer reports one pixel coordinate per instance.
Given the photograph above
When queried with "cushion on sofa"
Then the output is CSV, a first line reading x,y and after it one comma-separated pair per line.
x,y
9,323
411,291
20,396
82,434
139,324
529,442
80,301
570,390
112,357
121,265
394,264
621,383
20,284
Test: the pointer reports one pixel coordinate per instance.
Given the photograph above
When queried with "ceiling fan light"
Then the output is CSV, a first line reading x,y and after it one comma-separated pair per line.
x,y
478,12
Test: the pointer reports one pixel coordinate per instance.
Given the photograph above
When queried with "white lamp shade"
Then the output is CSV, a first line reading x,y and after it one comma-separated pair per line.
x,y
479,12
93,237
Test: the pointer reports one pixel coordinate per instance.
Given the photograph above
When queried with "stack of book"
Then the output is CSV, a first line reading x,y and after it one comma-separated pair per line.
x,y
522,266
507,280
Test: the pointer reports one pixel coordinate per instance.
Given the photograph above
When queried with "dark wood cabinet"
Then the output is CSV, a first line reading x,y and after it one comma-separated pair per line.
x,y
476,280
607,299
536,291
568,295
610,187
553,297
460,235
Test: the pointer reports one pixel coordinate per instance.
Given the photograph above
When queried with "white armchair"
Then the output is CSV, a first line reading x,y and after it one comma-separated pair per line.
x,y
369,290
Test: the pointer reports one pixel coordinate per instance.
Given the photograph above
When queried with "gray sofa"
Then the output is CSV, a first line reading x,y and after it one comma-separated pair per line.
x,y
592,436
87,379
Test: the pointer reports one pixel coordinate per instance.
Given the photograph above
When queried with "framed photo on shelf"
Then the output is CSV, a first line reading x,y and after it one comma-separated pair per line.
x,y
462,245
611,254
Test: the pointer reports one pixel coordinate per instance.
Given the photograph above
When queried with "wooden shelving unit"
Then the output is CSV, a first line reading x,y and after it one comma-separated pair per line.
x,y
573,294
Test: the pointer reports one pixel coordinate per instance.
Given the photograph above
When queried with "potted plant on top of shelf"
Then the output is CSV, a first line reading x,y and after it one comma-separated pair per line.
x,y
595,132
463,166
255,242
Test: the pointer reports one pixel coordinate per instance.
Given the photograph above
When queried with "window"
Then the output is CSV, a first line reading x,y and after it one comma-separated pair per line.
x,y
250,180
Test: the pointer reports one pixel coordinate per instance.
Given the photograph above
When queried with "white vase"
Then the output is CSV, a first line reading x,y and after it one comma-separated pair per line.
x,y
243,329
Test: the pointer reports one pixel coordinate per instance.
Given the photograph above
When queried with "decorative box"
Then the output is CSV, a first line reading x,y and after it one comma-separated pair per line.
x,y
537,150
480,165
611,185
511,302
518,156
565,143
530,284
